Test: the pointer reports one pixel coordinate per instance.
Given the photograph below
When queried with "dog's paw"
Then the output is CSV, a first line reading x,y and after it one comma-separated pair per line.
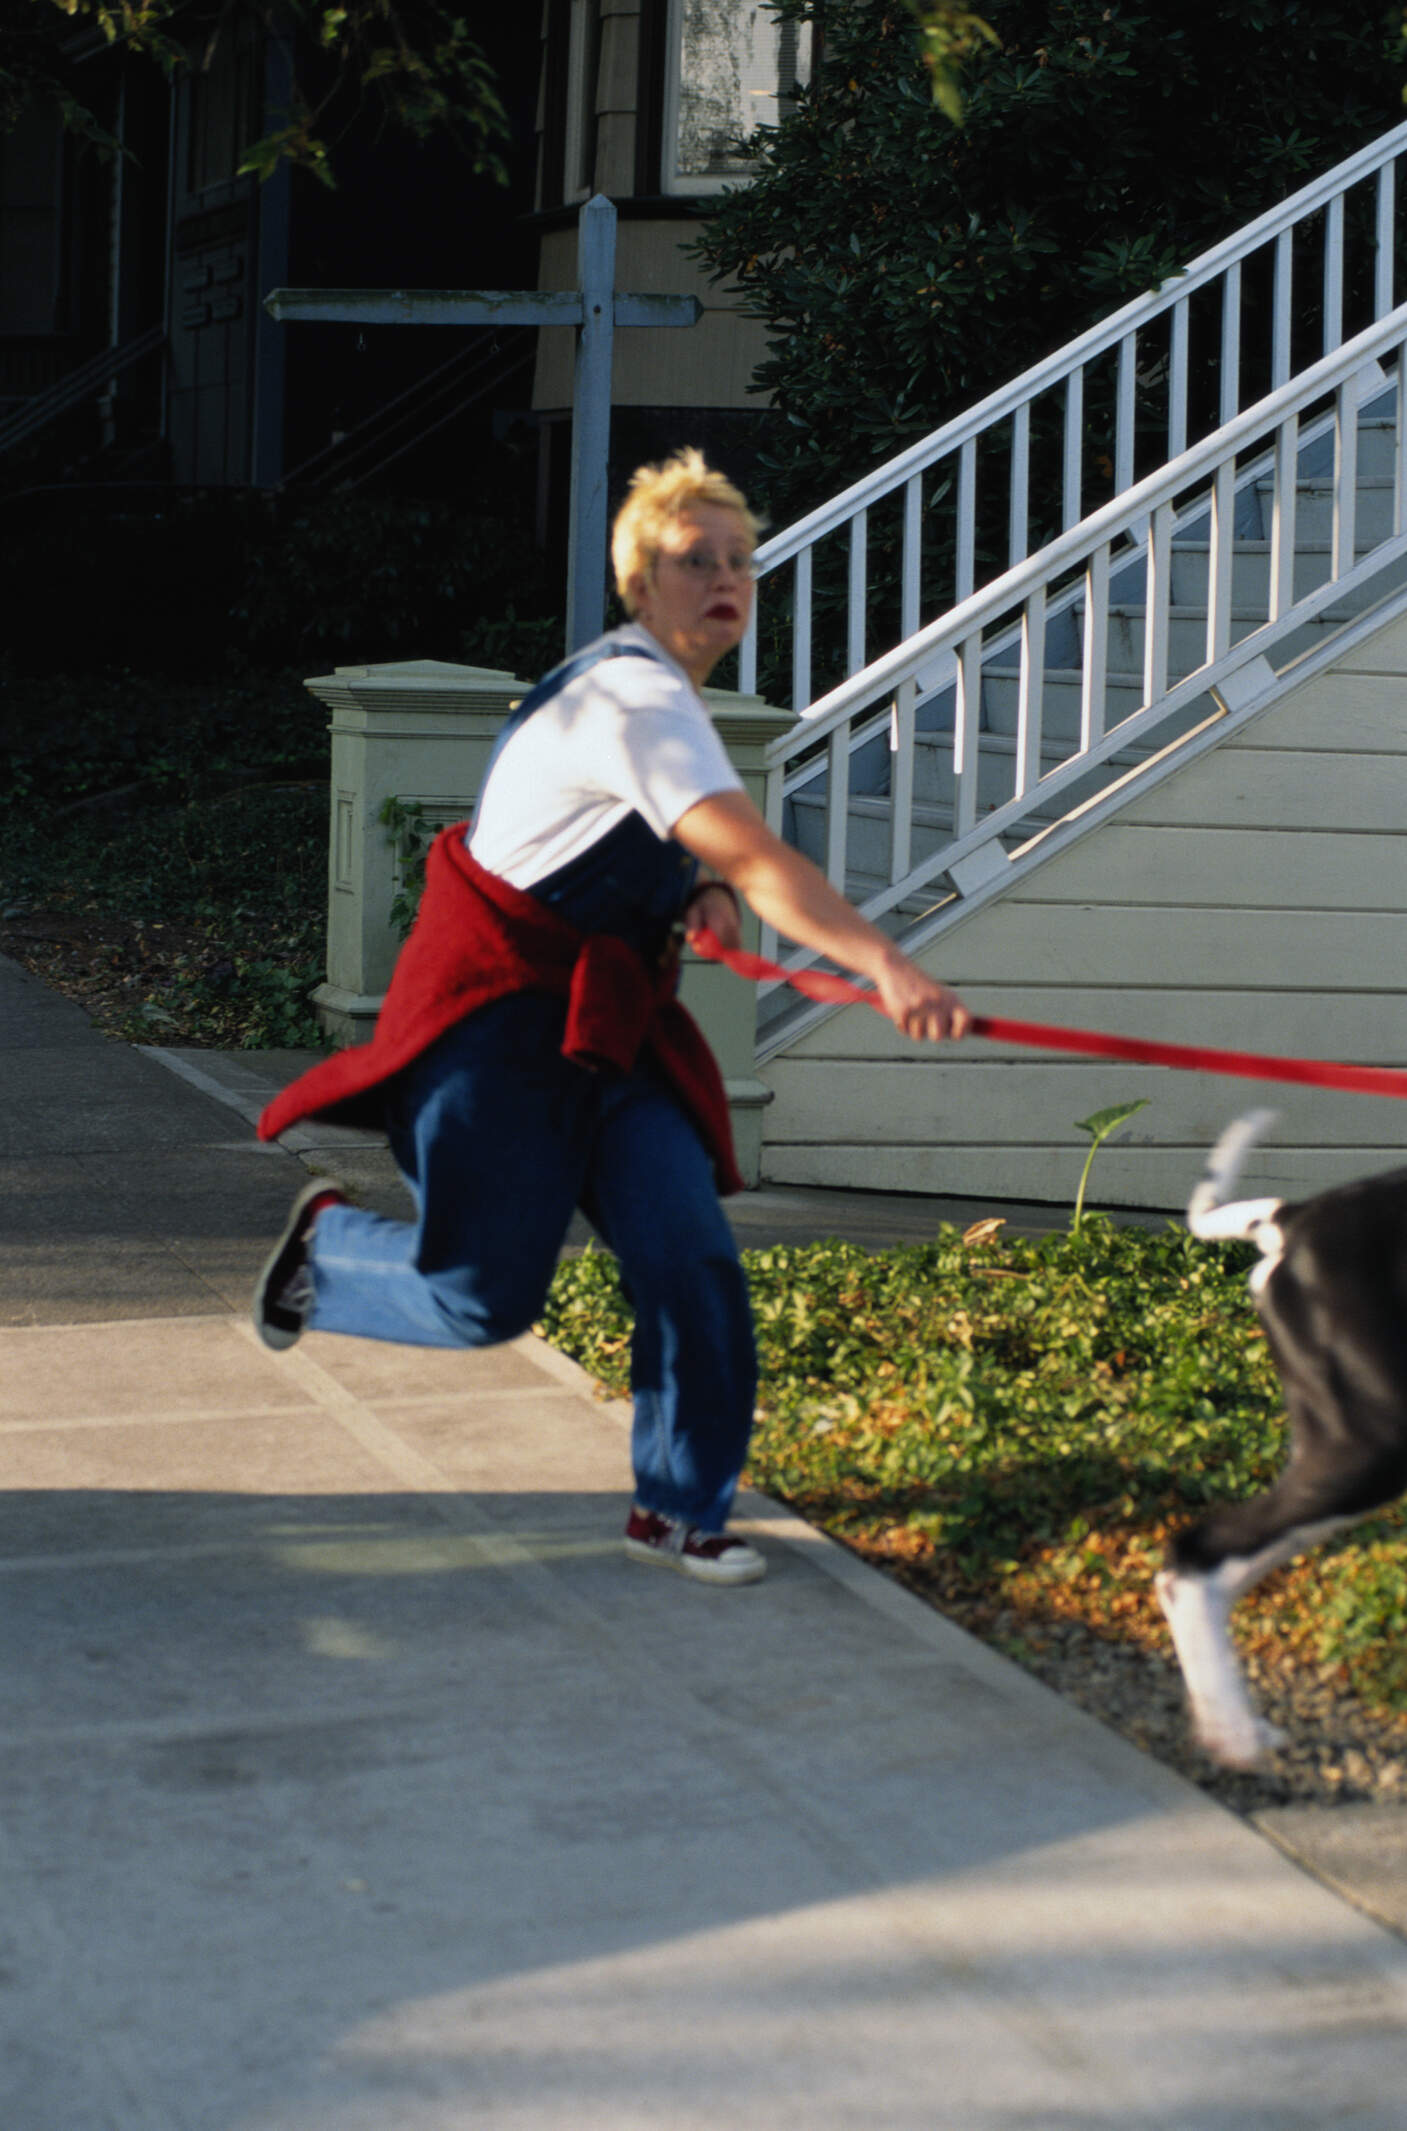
x,y
1239,1741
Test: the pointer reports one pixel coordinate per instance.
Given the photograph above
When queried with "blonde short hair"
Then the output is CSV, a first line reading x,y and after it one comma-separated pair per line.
x,y
659,494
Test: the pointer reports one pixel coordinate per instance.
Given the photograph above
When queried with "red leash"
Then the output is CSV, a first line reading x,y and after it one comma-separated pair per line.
x,y
1040,1035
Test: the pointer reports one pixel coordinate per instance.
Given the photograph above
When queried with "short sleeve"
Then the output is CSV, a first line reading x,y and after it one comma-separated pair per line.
x,y
659,750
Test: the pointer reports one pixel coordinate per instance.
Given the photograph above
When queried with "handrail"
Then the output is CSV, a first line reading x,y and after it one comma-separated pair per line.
x,y
1118,333
77,385
461,372
1208,467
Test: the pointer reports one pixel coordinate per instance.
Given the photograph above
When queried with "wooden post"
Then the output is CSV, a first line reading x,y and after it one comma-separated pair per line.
x,y
591,422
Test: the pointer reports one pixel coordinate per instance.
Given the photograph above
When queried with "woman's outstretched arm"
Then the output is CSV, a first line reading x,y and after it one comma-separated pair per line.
x,y
728,835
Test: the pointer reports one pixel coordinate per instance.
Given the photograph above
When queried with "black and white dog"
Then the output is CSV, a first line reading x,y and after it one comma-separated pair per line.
x,y
1331,1289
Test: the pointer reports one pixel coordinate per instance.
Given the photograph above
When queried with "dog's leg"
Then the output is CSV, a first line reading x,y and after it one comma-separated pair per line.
x,y
1197,1604
1198,1610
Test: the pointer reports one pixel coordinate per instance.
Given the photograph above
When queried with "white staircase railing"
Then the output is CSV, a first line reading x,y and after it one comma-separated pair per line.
x,y
1186,359
1134,527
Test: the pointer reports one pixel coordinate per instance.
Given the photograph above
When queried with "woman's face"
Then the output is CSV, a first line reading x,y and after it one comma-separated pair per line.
x,y
697,599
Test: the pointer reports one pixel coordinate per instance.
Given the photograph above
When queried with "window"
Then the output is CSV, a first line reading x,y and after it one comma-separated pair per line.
x,y
31,206
583,74
731,66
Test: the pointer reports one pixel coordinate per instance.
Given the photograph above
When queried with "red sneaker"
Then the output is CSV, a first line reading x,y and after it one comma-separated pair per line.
x,y
709,1557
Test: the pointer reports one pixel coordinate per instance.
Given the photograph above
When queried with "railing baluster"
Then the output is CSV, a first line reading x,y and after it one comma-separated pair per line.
x,y
1123,418
1333,274
1345,477
1383,276
801,633
1231,342
1157,600
913,555
1220,560
1032,695
967,714
837,804
1177,382
1399,457
747,654
1071,483
855,633
1282,300
1095,659
966,568
774,813
1282,518
1019,512
901,780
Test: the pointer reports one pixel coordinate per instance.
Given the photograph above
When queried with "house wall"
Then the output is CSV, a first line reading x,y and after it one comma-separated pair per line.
x,y
600,116
707,365
1256,899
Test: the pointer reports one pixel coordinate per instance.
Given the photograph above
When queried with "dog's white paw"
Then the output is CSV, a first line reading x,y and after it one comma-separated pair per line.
x,y
1237,1739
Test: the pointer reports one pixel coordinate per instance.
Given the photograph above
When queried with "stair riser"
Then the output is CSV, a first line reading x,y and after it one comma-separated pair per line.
x,y
1314,514
1187,640
1060,706
1250,576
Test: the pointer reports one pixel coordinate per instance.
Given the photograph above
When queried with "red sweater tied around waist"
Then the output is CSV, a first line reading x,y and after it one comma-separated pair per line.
x,y
477,939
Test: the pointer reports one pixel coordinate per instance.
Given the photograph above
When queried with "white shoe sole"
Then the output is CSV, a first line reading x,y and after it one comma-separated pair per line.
x,y
720,1575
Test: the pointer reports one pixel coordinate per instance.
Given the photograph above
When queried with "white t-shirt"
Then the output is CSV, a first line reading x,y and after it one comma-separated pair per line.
x,y
630,735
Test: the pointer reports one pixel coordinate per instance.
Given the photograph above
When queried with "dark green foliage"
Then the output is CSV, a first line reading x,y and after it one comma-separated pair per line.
x,y
198,817
353,578
181,587
906,267
1016,1424
415,66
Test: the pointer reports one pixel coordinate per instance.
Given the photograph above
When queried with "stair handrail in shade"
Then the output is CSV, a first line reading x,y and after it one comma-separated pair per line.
x,y
1138,524
1010,409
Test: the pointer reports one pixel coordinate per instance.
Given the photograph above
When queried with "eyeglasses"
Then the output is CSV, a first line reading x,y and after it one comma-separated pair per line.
x,y
702,563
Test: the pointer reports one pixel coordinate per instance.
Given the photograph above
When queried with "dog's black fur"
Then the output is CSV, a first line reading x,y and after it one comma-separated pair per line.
x,y
1331,1290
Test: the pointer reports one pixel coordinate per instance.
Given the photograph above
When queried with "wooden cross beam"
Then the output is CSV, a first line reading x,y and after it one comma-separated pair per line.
x,y
595,307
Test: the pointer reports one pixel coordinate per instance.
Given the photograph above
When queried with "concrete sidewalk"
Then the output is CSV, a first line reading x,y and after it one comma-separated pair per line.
x,y
354,1781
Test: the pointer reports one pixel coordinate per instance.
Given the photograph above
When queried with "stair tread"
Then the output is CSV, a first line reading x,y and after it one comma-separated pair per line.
x,y
1114,678
1247,544
1326,482
1130,609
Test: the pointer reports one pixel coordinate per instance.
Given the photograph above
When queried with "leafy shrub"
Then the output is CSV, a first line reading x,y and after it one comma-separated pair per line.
x,y
179,586
1016,1424
357,579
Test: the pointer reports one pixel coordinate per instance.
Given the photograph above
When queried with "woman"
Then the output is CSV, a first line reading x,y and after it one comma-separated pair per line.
x,y
530,1057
